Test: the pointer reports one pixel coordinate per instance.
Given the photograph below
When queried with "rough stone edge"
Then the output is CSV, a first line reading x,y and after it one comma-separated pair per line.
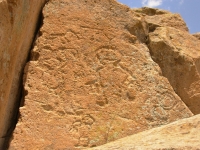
x,y
120,143
14,97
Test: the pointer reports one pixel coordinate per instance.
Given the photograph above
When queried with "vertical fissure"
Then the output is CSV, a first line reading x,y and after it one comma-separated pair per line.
x,y
21,95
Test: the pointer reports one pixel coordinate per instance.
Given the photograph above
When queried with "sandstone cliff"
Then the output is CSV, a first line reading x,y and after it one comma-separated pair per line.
x,y
98,71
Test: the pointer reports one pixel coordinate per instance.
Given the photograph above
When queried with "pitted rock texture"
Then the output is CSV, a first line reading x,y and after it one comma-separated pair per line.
x,y
178,55
181,135
197,35
18,21
162,18
91,80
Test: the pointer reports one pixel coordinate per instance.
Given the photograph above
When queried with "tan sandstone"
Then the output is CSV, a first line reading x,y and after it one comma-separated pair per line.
x,y
197,35
178,55
157,18
18,21
180,135
91,79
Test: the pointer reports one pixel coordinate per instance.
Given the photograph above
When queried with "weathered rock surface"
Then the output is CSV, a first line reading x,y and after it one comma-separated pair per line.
x,y
180,135
18,21
178,55
197,35
91,80
162,18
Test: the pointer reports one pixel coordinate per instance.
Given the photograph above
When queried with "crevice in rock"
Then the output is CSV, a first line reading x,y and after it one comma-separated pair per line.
x,y
152,27
13,119
33,56
156,60
21,95
139,30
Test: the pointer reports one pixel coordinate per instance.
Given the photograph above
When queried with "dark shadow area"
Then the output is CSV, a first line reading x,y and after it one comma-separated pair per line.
x,y
21,95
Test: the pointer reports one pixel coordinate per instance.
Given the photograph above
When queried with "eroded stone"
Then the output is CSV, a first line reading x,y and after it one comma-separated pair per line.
x,y
94,81
162,18
181,135
178,55
197,35
18,21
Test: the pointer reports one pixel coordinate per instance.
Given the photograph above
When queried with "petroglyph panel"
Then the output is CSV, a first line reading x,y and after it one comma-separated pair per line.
x,y
90,85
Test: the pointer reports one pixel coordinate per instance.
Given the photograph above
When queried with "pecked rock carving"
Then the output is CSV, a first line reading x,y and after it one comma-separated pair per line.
x,y
91,79
176,52
178,55
97,71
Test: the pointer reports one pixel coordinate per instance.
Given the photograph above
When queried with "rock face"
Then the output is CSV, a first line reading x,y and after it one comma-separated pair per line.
x,y
197,35
161,18
91,79
178,55
18,21
180,135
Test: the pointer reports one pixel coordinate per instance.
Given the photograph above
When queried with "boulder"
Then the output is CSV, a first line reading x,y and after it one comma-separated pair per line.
x,y
180,135
178,55
18,21
157,18
197,35
91,79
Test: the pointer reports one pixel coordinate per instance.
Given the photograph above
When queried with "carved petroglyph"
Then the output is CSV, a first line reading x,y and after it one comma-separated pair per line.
x,y
93,79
